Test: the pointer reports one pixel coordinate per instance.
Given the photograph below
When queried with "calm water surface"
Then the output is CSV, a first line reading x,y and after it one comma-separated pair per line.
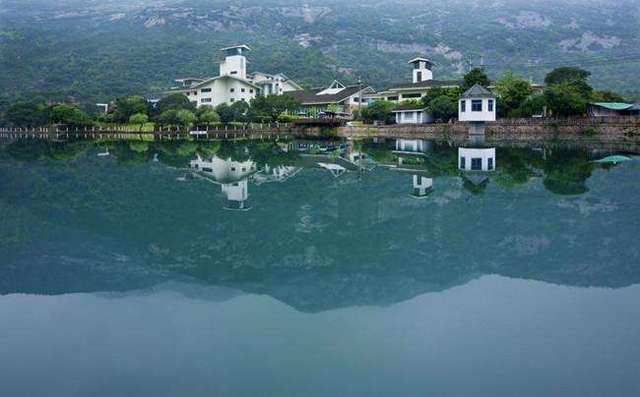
x,y
253,269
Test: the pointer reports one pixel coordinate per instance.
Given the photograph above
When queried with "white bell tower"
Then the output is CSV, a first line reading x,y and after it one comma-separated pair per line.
x,y
235,62
421,69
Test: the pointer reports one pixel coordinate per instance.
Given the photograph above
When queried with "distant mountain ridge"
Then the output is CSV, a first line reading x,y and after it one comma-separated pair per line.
x,y
95,50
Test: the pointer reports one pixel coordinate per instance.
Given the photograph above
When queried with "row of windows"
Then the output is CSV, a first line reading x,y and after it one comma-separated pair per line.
x,y
230,90
476,105
476,164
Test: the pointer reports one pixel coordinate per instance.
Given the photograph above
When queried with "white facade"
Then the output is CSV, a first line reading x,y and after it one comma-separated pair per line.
x,y
412,116
477,109
232,176
421,69
223,89
477,159
477,104
235,63
233,84
276,84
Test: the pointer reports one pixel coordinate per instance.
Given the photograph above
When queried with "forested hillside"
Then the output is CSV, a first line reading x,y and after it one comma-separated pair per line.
x,y
91,50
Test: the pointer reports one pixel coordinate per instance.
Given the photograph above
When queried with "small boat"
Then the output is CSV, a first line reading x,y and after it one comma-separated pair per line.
x,y
335,169
614,159
105,153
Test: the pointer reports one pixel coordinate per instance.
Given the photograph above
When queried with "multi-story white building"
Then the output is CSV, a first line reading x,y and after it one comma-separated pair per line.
x,y
422,82
233,84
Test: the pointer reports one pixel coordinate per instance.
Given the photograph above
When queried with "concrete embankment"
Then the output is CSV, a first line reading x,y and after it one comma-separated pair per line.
x,y
620,132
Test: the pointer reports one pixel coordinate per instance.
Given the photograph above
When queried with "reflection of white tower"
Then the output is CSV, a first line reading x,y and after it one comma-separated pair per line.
x,y
422,186
237,191
235,63
421,69
231,175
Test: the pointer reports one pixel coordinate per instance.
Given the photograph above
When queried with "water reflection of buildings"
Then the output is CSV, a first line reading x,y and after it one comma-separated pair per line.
x,y
278,173
476,162
231,175
412,145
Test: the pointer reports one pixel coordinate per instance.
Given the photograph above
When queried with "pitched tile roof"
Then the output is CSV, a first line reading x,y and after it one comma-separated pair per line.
x,y
311,97
477,91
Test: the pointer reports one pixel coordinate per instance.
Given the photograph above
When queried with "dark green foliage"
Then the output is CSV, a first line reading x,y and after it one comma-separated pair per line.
x,y
533,105
175,101
565,99
572,76
512,92
25,114
378,111
68,114
607,96
476,76
128,106
272,106
443,108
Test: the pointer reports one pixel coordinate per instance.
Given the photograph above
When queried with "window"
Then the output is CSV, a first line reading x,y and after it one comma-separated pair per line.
x,y
232,90
207,169
251,90
476,164
242,90
405,96
416,65
490,164
205,90
392,98
476,105
234,72
491,105
463,106
463,163
419,76
232,100
233,168
206,99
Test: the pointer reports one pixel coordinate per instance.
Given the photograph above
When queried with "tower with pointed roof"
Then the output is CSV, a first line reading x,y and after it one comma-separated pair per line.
x,y
477,104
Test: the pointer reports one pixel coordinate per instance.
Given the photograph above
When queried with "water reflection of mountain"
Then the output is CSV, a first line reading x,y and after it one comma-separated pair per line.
x,y
314,241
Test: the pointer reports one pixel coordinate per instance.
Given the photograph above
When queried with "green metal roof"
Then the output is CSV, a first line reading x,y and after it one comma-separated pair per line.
x,y
613,105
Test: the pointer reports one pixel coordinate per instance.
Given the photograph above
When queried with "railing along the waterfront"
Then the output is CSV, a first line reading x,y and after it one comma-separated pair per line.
x,y
252,131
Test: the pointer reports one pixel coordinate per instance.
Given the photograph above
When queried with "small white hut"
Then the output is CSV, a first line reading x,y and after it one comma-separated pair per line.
x,y
477,104
477,159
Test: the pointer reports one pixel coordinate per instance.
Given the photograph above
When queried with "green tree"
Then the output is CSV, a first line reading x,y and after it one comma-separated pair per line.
x,y
225,112
139,119
25,114
175,101
169,117
272,106
442,108
378,111
68,114
208,116
607,96
128,106
185,118
512,92
475,76
565,99
531,106
572,76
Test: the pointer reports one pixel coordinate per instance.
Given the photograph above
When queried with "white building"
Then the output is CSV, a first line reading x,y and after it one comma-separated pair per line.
x,y
477,159
344,97
233,84
412,116
273,84
477,104
422,82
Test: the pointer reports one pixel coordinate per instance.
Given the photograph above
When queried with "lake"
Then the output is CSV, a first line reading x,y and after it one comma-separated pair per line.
x,y
318,268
